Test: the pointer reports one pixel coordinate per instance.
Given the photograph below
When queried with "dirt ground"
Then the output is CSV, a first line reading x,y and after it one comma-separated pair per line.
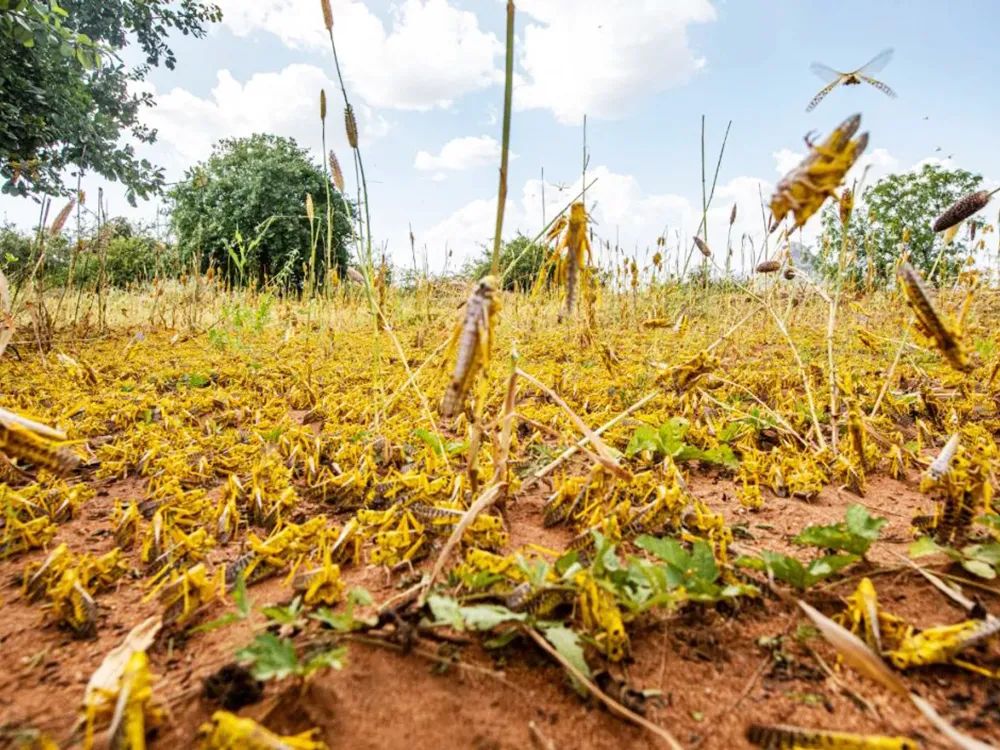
x,y
712,672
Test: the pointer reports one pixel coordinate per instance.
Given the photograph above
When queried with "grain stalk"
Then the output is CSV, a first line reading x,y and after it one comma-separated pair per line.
x,y
505,143
802,373
707,202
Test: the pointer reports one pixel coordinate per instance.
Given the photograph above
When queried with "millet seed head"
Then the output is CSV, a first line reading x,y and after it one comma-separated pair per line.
x,y
961,209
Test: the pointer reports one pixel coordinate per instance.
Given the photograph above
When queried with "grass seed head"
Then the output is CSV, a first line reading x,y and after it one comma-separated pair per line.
x,y
768,266
961,209
322,104
702,247
327,15
732,215
351,126
336,172
60,220
846,205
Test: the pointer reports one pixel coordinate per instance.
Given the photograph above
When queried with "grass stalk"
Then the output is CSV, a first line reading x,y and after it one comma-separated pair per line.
x,y
508,87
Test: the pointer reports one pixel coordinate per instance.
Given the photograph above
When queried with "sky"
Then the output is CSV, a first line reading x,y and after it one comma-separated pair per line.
x,y
426,79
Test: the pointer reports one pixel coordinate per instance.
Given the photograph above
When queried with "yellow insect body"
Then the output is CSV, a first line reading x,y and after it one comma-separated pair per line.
x,y
904,645
686,374
929,322
322,584
474,342
227,731
863,612
942,644
21,443
126,522
782,737
186,592
17,535
601,616
73,605
803,190
836,78
577,247
135,713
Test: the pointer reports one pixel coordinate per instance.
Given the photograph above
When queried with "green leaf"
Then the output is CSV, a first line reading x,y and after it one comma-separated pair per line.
x,y
747,561
342,622
980,568
991,520
862,524
475,617
791,571
722,455
243,609
671,435
854,535
196,380
446,610
645,438
501,640
270,657
290,615
786,569
332,659
826,566
668,550
987,553
240,597
567,642
731,431
703,561
685,452
359,596
925,546
431,439
220,622
566,562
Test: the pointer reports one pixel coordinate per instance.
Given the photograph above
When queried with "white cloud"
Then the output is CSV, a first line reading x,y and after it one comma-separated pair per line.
x,y
785,160
597,57
460,153
432,53
188,125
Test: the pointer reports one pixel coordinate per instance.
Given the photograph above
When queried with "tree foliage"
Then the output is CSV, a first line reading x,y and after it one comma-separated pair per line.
x,y
527,260
69,97
900,202
132,254
244,211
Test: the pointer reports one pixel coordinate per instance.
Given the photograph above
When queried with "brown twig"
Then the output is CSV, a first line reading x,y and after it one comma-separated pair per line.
x,y
614,706
607,458
489,496
586,438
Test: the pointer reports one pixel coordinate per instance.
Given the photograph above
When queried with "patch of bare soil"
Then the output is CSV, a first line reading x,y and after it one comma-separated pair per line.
x,y
710,672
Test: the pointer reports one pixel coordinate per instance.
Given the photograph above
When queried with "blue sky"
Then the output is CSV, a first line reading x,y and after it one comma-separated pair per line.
x,y
425,76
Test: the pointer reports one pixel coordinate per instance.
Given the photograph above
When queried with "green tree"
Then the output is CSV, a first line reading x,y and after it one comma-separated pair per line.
x,y
908,201
135,256
527,262
132,252
247,201
68,98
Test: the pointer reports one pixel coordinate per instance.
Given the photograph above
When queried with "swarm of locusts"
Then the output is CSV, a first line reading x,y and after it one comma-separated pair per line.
x,y
641,450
